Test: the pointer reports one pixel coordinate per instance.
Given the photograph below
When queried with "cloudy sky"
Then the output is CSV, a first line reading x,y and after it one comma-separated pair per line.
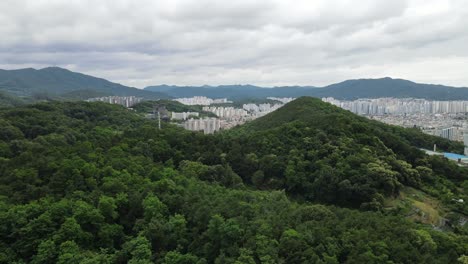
x,y
262,42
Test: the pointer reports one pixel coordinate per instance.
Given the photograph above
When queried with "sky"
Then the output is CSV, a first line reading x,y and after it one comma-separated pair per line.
x,y
261,42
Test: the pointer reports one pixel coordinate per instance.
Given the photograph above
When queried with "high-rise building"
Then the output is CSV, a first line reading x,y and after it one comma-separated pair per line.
x,y
225,112
465,140
201,100
449,133
127,101
183,115
207,125
381,106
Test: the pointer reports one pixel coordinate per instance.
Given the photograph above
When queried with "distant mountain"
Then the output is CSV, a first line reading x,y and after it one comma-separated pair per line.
x,y
234,92
59,82
347,90
388,87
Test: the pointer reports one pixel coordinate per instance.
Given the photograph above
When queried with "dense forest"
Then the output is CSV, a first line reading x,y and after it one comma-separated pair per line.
x,y
310,183
7,100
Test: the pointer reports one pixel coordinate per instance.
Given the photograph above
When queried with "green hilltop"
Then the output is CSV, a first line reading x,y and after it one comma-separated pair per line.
x,y
320,152
320,115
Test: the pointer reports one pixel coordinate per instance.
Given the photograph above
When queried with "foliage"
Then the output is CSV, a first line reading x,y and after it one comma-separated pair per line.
x,y
97,183
7,100
319,152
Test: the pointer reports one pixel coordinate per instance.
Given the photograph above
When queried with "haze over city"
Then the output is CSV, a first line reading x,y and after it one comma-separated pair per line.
x,y
264,42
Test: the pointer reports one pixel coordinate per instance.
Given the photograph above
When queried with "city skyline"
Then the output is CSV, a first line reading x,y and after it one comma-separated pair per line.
x,y
389,105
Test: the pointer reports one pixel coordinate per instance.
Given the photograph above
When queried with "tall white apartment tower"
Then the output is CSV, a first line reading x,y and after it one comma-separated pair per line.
x,y
465,140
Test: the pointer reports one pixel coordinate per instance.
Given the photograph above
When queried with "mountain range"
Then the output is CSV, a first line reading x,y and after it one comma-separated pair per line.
x,y
62,84
57,83
347,90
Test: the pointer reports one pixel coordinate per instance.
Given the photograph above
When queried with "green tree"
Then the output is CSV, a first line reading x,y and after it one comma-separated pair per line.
x,y
69,253
153,207
46,253
139,249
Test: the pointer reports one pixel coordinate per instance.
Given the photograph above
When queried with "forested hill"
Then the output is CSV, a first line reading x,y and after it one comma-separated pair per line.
x,y
97,183
57,82
347,90
331,119
320,152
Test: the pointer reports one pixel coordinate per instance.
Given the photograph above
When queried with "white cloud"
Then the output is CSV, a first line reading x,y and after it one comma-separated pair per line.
x,y
264,42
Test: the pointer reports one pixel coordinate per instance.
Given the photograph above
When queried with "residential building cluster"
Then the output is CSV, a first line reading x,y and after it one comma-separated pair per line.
x,y
382,106
284,100
447,119
259,110
226,112
201,100
183,115
465,140
127,101
207,125
227,116
452,133
450,126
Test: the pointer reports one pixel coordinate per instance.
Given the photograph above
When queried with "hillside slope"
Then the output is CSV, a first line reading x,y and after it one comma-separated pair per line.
x,y
58,82
319,152
320,115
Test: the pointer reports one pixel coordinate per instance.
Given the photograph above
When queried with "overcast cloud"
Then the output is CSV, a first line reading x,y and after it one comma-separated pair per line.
x,y
262,42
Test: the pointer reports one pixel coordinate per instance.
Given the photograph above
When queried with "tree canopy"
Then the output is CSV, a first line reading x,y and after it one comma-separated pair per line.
x,y
97,183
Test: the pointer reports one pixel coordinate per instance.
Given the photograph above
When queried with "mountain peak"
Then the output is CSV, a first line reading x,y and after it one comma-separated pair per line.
x,y
55,69
61,82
